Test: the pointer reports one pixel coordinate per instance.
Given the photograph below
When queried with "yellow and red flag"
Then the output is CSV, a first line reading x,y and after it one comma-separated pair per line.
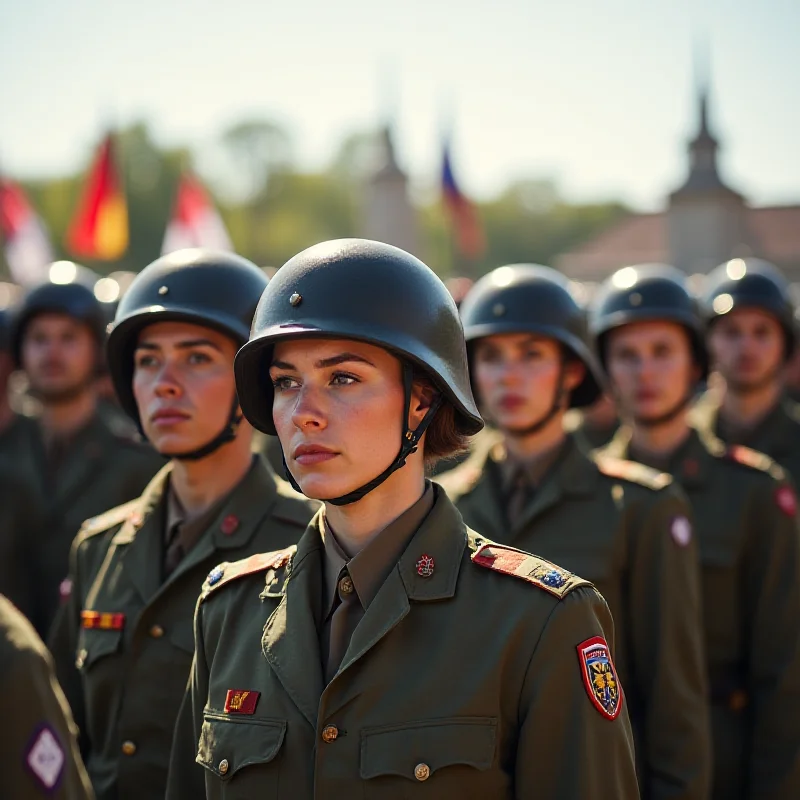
x,y
99,229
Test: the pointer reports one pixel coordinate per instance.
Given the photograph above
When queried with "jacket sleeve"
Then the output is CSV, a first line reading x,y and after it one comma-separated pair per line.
x,y
186,778
568,748
772,584
40,755
667,681
63,644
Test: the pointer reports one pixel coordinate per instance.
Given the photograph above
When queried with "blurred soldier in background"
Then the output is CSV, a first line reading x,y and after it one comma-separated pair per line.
x,y
618,524
650,339
123,643
74,460
39,757
751,338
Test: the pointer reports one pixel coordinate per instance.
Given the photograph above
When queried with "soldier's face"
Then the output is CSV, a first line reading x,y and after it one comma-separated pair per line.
x,y
651,367
517,374
59,355
338,411
747,348
183,384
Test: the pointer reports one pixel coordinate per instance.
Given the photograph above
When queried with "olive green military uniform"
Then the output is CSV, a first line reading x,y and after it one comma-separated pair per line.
x,y
99,468
459,681
20,525
746,528
39,757
777,435
123,644
627,529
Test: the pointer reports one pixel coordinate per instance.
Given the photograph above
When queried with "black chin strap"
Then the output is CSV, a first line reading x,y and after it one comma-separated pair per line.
x,y
555,408
408,445
227,434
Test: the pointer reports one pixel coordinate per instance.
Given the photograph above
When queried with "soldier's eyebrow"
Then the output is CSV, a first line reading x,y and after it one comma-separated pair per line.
x,y
185,345
333,361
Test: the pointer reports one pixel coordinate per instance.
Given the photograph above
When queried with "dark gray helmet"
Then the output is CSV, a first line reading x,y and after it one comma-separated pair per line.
x,y
642,293
365,290
73,299
214,289
750,283
529,298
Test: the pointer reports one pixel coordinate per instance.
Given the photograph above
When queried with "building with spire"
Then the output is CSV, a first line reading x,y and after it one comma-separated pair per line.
x,y
388,215
705,222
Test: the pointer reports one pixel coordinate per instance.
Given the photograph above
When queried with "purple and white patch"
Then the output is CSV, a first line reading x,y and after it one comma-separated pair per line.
x,y
45,757
681,530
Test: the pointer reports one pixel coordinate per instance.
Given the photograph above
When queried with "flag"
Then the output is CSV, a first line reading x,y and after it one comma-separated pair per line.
x,y
99,229
195,222
468,231
27,246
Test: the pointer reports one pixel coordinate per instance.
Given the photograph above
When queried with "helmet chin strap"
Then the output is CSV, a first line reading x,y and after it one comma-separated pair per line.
x,y
227,434
555,408
408,445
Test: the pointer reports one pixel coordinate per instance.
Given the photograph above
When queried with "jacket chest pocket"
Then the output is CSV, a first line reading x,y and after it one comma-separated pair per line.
x,y
95,646
239,755
432,758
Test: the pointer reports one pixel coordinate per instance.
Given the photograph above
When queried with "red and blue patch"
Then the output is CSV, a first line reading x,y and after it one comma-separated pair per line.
x,y
600,676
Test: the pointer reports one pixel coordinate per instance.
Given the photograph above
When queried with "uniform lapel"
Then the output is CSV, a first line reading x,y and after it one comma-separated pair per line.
x,y
141,537
293,652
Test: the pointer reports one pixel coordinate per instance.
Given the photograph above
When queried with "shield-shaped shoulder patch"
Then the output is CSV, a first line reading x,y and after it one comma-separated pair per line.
x,y
600,676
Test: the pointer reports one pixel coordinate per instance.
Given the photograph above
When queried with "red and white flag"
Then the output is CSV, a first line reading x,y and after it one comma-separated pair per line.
x,y
27,246
195,222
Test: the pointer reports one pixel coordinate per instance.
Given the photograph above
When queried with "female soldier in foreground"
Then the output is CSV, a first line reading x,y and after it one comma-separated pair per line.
x,y
123,643
650,339
393,651
622,525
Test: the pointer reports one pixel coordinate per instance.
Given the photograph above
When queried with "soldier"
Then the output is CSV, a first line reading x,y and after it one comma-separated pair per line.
x,y
393,652
650,340
39,757
123,644
73,460
751,338
623,526
15,429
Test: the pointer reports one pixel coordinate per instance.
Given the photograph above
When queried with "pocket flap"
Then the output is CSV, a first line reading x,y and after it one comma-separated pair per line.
x,y
227,745
94,645
400,749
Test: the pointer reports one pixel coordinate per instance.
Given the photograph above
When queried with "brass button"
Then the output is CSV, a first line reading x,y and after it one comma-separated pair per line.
x,y
128,748
156,631
330,734
81,659
223,766
422,772
346,585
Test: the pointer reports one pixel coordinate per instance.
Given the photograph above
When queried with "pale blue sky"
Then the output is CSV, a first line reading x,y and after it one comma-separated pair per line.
x,y
597,94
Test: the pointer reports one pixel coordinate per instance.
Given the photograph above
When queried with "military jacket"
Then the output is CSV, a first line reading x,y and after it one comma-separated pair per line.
x,y
101,469
460,681
745,519
627,528
39,757
123,644
777,435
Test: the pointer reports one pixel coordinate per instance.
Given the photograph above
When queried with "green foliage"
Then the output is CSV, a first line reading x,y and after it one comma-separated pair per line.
x,y
278,210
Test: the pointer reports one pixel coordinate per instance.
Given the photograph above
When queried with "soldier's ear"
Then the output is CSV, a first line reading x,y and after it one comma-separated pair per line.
x,y
574,373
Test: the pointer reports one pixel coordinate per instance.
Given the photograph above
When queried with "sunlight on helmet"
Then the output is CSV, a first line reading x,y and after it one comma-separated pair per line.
x,y
503,276
107,290
736,269
63,272
722,304
625,278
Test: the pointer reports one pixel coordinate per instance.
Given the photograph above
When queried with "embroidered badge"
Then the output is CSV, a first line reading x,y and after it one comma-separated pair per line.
x,y
786,500
241,701
103,620
523,565
229,524
548,576
65,589
681,530
600,676
215,576
425,566
45,758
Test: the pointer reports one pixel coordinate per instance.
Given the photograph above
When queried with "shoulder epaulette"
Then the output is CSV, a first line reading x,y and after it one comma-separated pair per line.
x,y
108,519
231,570
751,458
519,564
632,471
